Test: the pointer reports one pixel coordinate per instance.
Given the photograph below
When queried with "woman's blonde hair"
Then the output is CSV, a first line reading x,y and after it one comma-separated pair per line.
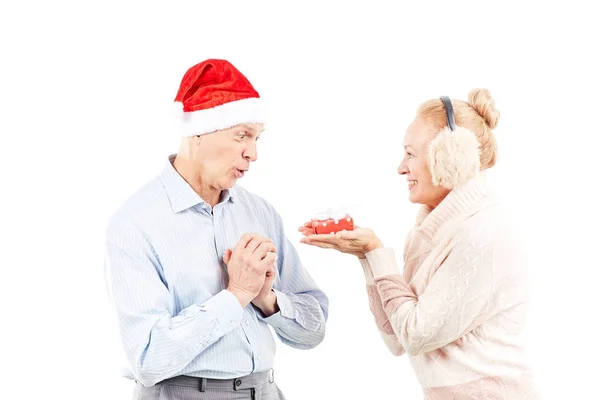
x,y
479,115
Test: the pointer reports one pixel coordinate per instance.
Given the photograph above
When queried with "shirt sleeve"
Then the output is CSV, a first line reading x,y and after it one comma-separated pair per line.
x,y
157,342
303,307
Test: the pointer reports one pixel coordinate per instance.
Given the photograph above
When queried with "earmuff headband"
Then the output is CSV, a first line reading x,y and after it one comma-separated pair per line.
x,y
449,112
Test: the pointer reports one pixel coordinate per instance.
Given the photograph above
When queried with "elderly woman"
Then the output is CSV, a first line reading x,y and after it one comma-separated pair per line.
x,y
458,307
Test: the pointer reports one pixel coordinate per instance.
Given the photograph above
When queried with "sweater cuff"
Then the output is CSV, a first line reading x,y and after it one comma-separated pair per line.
x,y
383,262
367,270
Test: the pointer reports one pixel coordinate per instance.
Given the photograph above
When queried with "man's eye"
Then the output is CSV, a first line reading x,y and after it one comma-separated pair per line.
x,y
242,135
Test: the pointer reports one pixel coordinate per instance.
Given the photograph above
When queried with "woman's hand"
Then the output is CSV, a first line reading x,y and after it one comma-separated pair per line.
x,y
356,242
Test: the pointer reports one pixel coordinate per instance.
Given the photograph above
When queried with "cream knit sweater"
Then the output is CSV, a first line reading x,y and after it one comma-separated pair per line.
x,y
459,306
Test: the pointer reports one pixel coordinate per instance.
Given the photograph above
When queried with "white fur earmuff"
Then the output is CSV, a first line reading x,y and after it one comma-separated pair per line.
x,y
454,157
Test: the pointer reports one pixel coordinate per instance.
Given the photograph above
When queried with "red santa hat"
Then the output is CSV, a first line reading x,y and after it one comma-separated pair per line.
x,y
214,95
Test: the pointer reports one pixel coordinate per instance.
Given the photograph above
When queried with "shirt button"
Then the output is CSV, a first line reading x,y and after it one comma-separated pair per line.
x,y
247,322
238,382
204,206
232,324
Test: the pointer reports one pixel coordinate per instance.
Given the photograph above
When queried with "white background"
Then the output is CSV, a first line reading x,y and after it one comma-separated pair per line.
x,y
86,91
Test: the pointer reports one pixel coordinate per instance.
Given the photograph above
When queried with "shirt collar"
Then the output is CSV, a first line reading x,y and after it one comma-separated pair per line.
x,y
180,193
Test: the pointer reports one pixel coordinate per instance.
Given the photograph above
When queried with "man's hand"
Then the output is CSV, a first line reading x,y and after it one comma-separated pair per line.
x,y
247,266
266,299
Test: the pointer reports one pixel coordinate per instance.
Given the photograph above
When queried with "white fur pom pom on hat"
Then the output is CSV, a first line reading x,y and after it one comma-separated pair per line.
x,y
454,157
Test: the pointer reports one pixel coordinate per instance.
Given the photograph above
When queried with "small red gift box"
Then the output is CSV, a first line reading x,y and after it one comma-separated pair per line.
x,y
332,225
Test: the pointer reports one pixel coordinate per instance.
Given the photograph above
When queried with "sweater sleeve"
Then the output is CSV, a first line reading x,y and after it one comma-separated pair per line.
x,y
376,307
451,305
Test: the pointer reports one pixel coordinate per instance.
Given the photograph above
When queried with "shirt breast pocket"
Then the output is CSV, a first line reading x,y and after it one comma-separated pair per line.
x,y
236,229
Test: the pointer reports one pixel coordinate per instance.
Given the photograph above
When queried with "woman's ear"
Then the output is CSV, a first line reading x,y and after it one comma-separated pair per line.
x,y
454,157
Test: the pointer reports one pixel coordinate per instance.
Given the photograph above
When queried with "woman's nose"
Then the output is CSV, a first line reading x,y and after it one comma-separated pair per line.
x,y
402,169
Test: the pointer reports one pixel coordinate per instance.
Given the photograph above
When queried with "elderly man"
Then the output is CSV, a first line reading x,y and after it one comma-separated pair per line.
x,y
198,267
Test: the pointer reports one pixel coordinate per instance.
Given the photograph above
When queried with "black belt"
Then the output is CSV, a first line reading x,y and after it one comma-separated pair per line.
x,y
242,383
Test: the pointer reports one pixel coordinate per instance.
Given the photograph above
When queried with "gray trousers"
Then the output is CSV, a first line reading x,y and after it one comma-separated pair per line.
x,y
257,386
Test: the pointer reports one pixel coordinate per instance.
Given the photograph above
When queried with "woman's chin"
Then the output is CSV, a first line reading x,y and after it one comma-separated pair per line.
x,y
413,197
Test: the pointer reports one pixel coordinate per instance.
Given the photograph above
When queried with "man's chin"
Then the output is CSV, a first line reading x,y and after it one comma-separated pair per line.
x,y
229,184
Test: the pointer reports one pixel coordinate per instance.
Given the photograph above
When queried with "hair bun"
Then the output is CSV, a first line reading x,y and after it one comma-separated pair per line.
x,y
481,101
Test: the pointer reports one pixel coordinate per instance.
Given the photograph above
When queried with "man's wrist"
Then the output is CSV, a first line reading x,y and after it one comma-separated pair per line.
x,y
243,296
268,305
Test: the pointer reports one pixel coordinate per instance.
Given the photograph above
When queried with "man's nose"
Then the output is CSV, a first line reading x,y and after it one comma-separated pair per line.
x,y
250,153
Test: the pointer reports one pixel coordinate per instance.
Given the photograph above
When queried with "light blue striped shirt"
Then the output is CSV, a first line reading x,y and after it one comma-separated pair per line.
x,y
167,281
